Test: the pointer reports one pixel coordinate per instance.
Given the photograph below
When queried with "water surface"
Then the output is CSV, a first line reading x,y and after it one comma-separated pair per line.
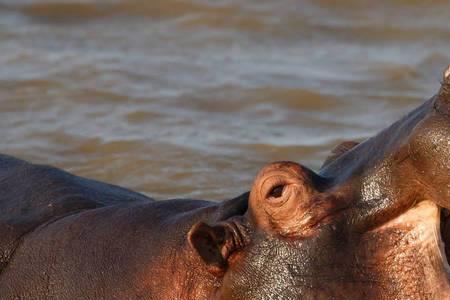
x,y
190,98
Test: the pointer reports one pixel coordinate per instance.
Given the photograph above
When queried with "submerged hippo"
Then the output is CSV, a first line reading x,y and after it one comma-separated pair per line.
x,y
372,224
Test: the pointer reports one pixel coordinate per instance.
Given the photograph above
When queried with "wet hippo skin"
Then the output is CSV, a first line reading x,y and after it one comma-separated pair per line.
x,y
371,224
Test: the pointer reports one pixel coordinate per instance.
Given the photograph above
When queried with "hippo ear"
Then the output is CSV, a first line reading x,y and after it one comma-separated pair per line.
x,y
214,244
338,151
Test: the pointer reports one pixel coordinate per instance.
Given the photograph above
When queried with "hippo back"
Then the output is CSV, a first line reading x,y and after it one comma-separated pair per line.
x,y
32,195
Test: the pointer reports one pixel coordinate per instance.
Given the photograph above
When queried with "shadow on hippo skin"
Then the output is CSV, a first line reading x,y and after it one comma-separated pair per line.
x,y
371,224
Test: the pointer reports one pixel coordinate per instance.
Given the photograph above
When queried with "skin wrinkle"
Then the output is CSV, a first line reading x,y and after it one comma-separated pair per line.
x,y
277,214
22,236
272,182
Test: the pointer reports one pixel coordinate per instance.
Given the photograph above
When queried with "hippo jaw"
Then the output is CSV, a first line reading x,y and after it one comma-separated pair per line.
x,y
407,254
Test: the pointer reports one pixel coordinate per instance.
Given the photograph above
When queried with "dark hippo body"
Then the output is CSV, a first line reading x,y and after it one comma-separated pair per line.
x,y
67,237
371,224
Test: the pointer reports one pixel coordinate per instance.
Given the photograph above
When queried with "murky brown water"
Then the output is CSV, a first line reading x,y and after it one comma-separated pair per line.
x,y
191,98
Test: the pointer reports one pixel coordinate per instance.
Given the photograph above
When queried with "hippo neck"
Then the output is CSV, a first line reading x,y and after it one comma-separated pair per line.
x,y
406,255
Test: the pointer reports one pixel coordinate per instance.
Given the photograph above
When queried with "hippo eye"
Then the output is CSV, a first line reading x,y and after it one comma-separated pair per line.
x,y
277,191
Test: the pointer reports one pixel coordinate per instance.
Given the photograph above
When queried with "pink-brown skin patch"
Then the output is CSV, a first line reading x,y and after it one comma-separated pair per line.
x,y
408,251
369,225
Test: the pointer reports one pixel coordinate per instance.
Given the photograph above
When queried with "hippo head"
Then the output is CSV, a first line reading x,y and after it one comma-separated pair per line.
x,y
372,223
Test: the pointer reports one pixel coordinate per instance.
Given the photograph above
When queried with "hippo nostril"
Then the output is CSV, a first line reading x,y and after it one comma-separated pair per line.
x,y
276,192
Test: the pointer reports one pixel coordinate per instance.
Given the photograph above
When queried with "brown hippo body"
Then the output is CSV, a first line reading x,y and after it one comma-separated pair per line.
x,y
66,237
371,224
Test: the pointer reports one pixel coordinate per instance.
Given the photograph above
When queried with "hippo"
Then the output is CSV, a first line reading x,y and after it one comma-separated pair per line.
x,y
372,223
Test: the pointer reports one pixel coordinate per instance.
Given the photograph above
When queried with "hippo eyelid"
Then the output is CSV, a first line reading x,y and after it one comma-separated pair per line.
x,y
269,184
276,191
